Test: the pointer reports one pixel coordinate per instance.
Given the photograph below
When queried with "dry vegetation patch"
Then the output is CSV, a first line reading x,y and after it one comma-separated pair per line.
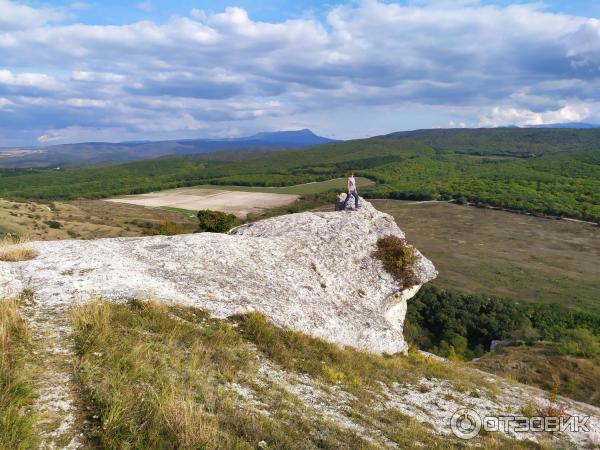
x,y
17,389
171,377
398,259
543,366
89,219
157,377
19,253
357,370
14,248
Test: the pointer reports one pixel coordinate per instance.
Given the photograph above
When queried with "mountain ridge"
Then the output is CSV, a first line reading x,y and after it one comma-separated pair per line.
x,y
89,153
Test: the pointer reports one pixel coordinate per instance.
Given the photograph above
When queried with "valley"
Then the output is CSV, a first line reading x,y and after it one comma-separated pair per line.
x,y
529,280
484,251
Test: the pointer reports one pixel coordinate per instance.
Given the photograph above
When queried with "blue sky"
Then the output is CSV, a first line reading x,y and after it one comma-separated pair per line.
x,y
119,70
115,11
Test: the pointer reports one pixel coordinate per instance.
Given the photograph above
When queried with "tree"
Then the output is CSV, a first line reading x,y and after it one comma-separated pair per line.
x,y
216,221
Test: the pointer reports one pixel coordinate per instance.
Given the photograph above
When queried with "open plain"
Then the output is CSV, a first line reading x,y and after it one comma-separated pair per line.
x,y
233,202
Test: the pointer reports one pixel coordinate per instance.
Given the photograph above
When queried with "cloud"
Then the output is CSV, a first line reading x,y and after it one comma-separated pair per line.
x,y
145,6
28,84
225,72
502,116
97,77
16,16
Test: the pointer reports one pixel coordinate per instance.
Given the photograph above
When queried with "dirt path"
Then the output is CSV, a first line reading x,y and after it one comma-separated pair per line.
x,y
428,201
59,423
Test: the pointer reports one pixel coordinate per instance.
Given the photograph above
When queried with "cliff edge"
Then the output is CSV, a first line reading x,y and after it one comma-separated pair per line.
x,y
312,272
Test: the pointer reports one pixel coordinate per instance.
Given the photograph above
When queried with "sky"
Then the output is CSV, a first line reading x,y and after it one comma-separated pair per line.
x,y
74,71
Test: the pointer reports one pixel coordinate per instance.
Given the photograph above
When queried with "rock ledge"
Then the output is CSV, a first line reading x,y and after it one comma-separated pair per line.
x,y
312,272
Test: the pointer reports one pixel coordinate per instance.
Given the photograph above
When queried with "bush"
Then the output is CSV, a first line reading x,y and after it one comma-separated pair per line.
x,y
398,259
167,228
54,224
580,342
216,221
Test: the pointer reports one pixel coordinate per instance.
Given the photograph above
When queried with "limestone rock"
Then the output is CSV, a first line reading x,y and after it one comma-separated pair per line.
x,y
312,272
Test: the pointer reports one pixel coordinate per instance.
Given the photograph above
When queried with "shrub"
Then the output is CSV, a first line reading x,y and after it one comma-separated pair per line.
x,y
18,253
16,249
580,342
53,224
398,259
167,228
215,221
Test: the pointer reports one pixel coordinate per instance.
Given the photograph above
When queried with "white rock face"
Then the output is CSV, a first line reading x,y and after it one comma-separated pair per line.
x,y
312,272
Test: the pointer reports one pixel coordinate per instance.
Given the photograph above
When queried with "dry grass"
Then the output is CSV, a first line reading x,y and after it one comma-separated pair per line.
x,y
154,376
17,391
18,254
353,368
157,377
543,366
86,219
14,248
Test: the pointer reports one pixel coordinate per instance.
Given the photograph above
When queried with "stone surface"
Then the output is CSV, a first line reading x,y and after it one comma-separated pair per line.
x,y
312,272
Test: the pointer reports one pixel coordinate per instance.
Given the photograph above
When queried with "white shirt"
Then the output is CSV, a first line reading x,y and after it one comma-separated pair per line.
x,y
351,184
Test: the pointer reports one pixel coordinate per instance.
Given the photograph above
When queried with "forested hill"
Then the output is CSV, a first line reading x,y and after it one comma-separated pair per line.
x,y
525,142
547,171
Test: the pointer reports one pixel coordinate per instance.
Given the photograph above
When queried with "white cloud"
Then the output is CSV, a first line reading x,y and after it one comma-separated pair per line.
x,y
15,16
225,71
77,134
88,103
102,77
502,116
31,80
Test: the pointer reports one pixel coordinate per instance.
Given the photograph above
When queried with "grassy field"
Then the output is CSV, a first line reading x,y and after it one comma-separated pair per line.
x,y
237,202
498,253
85,219
338,184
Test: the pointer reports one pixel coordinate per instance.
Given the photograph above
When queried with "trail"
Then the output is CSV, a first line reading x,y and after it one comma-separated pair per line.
x,y
428,201
56,404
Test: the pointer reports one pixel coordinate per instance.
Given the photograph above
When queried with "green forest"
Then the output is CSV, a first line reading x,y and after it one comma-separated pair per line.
x,y
545,171
462,326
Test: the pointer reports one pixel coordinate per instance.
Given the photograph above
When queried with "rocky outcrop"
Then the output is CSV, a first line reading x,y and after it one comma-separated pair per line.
x,y
312,272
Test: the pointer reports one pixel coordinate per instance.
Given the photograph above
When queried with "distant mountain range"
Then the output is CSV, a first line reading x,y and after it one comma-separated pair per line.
x,y
86,153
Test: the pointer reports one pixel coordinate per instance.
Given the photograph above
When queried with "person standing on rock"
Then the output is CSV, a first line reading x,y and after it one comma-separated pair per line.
x,y
351,191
